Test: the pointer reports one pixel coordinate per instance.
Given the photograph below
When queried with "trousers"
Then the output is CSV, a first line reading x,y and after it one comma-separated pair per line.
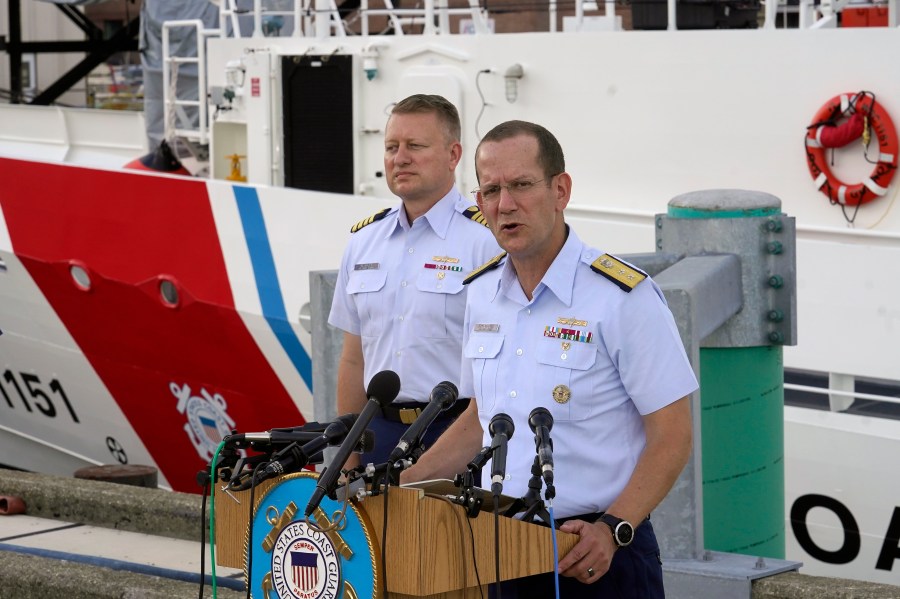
x,y
635,573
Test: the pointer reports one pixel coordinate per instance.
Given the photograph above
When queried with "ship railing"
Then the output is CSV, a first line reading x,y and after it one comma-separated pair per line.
x,y
178,113
322,18
840,400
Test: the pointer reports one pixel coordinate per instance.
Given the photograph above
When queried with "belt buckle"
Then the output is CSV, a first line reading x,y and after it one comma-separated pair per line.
x,y
409,415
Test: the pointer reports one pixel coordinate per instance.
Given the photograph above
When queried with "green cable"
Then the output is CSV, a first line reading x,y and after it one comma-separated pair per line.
x,y
212,516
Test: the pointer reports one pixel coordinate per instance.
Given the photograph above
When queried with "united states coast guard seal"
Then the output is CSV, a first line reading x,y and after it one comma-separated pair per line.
x,y
334,558
305,564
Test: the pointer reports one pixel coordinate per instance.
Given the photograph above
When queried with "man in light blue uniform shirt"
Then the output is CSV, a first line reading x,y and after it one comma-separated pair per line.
x,y
558,324
399,296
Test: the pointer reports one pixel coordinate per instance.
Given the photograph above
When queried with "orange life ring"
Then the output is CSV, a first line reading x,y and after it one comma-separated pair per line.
x,y
876,185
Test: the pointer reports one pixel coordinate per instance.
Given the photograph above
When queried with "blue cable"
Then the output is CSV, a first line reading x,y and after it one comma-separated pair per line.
x,y
555,548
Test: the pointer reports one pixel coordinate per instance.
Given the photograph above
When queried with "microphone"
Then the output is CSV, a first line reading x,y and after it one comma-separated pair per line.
x,y
442,397
383,388
501,429
307,432
294,457
541,421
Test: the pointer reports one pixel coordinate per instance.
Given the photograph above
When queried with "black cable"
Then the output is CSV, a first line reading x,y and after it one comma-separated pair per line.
x,y
387,480
484,103
497,547
250,528
475,557
206,489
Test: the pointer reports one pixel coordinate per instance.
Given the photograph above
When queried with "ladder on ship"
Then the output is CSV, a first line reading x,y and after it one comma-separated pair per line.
x,y
178,119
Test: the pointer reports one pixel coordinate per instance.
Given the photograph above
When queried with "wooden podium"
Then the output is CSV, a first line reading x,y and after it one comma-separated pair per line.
x,y
429,544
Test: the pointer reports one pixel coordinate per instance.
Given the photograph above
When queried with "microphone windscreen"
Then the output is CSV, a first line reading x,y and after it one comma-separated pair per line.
x,y
384,387
445,393
501,424
347,420
366,442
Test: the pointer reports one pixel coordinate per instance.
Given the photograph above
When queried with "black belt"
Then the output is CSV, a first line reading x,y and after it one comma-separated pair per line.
x,y
592,517
408,412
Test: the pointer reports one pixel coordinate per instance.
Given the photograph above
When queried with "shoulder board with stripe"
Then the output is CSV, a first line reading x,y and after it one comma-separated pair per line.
x,y
625,276
369,220
489,265
473,213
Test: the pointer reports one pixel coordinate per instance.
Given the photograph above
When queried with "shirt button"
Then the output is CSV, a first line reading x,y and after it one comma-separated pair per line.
x,y
362,285
513,394
410,250
564,356
519,352
403,284
481,350
398,353
399,318
439,285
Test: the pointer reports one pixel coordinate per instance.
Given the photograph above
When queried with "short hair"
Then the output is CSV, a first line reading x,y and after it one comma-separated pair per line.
x,y
550,154
434,104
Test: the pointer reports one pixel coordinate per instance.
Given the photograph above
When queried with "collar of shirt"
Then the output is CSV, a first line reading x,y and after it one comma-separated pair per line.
x,y
438,216
559,278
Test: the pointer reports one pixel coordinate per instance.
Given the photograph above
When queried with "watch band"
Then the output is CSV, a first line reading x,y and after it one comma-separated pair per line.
x,y
622,530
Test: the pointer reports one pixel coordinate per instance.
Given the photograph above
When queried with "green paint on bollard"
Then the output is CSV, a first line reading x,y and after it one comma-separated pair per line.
x,y
742,420
680,212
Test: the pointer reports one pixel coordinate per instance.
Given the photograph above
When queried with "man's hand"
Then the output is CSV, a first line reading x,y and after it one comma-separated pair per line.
x,y
591,557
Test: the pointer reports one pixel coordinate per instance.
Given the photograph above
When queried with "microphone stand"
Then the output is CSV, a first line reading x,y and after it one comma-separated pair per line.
x,y
243,474
468,498
375,475
532,502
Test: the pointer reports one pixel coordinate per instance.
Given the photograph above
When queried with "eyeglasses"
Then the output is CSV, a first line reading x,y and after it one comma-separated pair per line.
x,y
516,189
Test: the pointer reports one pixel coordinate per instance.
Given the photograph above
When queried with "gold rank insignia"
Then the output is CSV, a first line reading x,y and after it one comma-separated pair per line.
x,y
369,220
473,213
624,276
561,394
489,265
571,321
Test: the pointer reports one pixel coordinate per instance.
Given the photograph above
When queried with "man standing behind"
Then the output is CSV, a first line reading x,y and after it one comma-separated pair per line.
x,y
561,325
399,297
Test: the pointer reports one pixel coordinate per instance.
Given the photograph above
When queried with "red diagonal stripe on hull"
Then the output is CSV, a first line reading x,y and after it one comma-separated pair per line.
x,y
129,230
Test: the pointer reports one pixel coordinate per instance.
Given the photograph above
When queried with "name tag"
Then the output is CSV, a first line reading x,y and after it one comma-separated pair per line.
x,y
366,266
487,328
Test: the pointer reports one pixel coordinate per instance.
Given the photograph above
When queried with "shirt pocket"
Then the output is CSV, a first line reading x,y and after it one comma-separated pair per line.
x,y
484,350
565,378
364,287
440,305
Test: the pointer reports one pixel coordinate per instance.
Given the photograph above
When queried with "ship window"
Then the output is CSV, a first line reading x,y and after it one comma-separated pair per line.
x,y
168,292
80,276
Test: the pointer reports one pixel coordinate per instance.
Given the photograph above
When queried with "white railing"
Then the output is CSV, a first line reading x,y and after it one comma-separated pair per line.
x,y
836,393
321,18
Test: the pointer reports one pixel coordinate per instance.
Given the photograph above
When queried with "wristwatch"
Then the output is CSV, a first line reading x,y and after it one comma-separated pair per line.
x,y
622,530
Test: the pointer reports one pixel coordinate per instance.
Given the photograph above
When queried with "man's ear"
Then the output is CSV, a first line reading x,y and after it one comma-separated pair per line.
x,y
455,155
563,187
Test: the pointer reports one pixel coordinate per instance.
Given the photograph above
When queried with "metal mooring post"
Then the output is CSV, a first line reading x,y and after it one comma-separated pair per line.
x,y
739,527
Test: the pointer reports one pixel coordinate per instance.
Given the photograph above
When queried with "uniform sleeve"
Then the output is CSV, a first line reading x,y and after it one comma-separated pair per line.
x,y
344,314
647,349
